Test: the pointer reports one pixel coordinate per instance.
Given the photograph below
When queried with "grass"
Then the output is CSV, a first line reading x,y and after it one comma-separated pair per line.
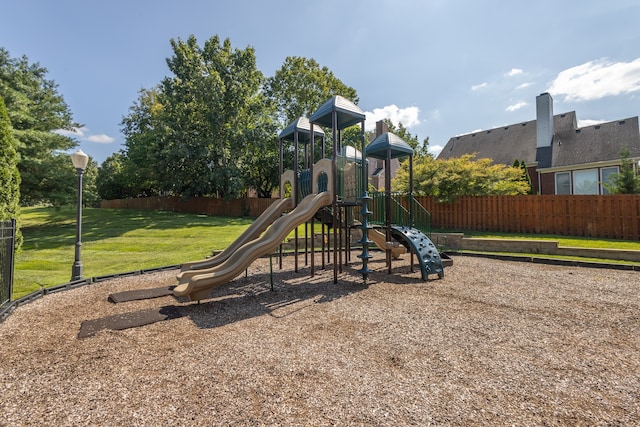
x,y
113,241
118,241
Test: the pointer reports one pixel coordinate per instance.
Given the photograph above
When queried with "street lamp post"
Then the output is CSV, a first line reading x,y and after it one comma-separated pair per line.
x,y
79,160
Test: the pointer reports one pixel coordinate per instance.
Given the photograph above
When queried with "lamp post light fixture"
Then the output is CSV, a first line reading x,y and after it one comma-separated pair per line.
x,y
79,160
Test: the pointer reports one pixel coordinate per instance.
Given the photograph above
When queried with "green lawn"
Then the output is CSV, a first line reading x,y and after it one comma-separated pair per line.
x,y
118,241
114,241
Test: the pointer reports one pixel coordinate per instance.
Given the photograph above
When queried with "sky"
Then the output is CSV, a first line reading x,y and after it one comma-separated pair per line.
x,y
441,67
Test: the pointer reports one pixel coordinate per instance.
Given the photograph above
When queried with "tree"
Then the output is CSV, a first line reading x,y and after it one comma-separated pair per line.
x,y
211,127
9,175
300,86
462,176
192,128
112,182
35,109
625,182
260,154
525,174
137,169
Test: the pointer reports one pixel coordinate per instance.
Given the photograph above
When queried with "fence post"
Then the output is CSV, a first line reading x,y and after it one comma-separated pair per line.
x,y
7,248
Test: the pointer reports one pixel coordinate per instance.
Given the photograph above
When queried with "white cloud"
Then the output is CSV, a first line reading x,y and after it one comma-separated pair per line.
x,y
524,85
513,72
407,116
100,139
83,134
73,133
469,133
589,122
480,86
516,106
597,79
435,149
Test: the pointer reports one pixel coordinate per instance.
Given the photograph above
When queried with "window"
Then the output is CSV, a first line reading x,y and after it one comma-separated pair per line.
x,y
585,181
563,183
605,177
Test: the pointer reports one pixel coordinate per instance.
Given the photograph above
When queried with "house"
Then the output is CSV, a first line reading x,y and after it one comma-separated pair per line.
x,y
560,157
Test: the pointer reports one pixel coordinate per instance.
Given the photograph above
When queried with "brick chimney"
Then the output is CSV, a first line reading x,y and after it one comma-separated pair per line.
x,y
381,127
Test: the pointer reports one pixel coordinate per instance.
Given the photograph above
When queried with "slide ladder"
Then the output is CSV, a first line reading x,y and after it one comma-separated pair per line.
x,y
423,247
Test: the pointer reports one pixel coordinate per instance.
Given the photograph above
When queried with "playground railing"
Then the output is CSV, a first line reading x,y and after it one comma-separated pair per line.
x,y
405,211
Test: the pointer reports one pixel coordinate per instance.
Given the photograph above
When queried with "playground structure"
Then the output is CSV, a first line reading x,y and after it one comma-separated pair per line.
x,y
334,191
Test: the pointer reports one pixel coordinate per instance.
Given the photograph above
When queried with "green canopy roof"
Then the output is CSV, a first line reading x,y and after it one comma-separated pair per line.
x,y
379,146
348,113
302,126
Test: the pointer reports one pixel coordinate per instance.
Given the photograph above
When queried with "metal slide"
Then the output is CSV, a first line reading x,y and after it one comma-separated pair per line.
x,y
251,233
428,255
200,285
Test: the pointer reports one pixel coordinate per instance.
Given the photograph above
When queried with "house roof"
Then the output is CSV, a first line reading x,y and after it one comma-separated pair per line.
x,y
596,143
570,146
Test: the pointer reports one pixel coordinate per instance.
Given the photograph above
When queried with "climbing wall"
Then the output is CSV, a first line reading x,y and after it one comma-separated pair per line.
x,y
423,247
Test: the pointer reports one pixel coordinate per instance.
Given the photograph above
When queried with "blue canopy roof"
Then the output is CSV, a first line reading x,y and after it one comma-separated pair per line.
x,y
348,113
379,146
303,127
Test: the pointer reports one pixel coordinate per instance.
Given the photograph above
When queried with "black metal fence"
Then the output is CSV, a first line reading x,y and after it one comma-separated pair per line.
x,y
7,246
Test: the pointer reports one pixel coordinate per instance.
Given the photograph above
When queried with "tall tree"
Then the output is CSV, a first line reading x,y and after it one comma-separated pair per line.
x,y
301,85
192,129
140,164
259,161
9,175
112,181
35,109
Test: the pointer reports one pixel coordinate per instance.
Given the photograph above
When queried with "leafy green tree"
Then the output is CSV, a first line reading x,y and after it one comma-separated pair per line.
x,y
626,181
260,151
191,130
90,196
300,86
9,175
112,182
61,183
137,170
462,176
525,174
35,109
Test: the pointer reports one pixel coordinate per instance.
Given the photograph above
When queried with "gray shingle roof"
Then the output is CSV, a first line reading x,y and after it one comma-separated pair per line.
x,y
596,143
571,145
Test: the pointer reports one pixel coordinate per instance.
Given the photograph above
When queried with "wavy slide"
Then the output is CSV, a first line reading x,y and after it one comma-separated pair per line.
x,y
251,233
380,240
200,285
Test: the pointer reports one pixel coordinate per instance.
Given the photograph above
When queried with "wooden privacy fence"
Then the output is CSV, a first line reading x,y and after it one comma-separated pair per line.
x,y
251,207
610,216
607,216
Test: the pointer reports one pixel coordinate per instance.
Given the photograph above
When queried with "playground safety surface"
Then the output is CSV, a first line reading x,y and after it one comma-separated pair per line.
x,y
493,343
